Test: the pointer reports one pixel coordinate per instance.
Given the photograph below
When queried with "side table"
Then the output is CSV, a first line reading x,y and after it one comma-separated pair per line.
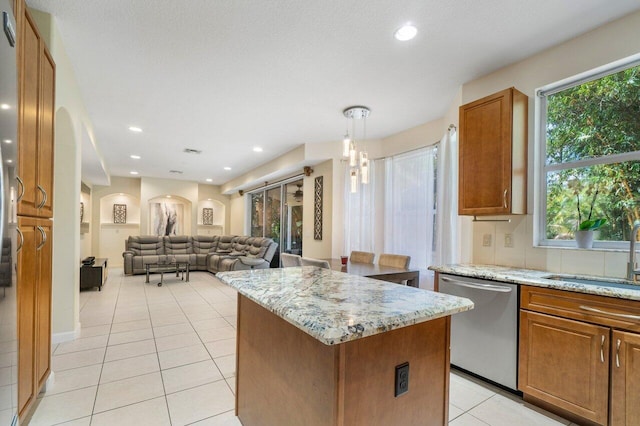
x,y
94,275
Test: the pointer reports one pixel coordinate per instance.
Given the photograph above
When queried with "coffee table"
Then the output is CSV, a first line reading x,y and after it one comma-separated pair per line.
x,y
162,267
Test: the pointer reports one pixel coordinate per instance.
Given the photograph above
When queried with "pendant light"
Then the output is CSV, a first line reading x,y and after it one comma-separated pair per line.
x,y
358,162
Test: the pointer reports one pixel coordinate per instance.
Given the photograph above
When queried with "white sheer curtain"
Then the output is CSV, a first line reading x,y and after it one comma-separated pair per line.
x,y
410,205
447,200
360,212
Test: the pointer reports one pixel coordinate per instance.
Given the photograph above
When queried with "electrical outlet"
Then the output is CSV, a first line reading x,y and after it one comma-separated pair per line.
x,y
402,379
508,240
486,240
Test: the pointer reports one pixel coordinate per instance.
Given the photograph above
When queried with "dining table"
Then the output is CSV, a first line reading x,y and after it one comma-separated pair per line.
x,y
378,272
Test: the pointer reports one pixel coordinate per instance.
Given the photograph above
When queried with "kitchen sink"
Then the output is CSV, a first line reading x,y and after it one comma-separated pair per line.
x,y
595,281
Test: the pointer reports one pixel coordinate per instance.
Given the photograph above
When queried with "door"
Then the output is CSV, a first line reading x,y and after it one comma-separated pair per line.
x,y
44,185
565,363
44,253
625,378
27,276
292,218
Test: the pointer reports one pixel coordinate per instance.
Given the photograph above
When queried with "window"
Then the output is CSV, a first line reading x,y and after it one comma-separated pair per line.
x,y
590,130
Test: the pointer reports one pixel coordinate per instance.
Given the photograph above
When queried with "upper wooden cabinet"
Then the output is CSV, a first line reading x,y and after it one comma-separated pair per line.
x,y
36,123
493,155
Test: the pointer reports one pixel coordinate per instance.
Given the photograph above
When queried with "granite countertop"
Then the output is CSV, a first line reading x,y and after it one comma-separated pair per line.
x,y
335,307
539,279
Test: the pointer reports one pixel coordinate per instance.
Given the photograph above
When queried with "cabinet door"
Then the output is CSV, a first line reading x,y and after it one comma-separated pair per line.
x,y
27,275
565,363
625,378
485,155
29,117
46,137
493,155
44,237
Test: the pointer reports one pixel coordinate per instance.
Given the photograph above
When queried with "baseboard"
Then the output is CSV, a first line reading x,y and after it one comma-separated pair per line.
x,y
65,336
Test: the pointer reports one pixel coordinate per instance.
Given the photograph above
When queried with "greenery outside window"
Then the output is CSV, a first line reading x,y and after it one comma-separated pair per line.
x,y
589,130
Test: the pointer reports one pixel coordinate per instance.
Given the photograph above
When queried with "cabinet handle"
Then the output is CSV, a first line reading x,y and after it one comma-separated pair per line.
x,y
602,349
504,198
21,194
613,314
618,354
44,237
21,240
44,197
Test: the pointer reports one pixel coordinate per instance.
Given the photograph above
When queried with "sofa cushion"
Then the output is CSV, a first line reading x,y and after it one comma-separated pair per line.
x,y
177,245
145,245
204,244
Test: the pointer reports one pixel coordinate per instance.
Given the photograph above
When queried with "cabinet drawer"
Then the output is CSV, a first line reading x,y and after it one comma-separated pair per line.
x,y
608,311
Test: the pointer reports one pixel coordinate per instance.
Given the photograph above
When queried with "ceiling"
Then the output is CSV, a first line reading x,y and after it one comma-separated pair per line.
x,y
226,76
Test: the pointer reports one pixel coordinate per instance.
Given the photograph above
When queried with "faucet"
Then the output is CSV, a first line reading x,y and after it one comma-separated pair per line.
x,y
632,272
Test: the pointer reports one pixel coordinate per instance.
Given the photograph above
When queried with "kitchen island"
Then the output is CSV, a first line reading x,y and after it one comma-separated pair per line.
x,y
321,347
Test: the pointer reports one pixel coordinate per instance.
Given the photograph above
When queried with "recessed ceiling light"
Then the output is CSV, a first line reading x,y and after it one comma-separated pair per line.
x,y
5,106
135,129
121,193
135,157
7,141
209,180
227,168
208,199
168,196
257,149
9,161
133,172
406,32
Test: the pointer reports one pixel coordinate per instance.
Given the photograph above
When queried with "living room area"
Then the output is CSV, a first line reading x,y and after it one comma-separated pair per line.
x,y
250,139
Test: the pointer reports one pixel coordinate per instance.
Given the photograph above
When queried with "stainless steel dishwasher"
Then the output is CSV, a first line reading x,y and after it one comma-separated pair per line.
x,y
484,341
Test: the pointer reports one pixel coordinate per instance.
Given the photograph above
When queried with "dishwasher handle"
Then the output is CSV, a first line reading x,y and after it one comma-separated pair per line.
x,y
478,286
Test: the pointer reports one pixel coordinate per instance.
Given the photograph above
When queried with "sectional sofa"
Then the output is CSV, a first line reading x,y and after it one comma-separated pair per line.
x,y
204,253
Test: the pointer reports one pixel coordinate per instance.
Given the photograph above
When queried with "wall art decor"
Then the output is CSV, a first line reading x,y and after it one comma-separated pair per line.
x,y
207,216
81,212
119,213
317,209
166,218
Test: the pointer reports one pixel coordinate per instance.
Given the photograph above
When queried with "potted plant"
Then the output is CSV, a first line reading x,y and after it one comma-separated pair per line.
x,y
585,232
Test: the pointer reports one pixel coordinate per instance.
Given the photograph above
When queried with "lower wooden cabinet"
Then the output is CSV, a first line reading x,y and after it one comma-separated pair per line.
x,y
625,378
580,355
34,308
565,363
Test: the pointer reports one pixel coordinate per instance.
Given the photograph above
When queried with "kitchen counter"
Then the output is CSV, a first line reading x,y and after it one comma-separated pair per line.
x,y
538,278
321,347
335,307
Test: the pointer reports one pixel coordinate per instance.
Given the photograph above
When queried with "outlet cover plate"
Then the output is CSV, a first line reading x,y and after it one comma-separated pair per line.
x,y
402,379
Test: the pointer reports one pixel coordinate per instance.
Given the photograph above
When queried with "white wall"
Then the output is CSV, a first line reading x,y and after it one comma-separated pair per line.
x,y
603,45
74,123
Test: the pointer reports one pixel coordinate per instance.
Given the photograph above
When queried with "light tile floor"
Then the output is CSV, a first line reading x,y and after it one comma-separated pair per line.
x,y
152,355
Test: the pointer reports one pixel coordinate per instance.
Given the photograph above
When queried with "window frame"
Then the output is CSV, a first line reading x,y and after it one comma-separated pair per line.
x,y
540,152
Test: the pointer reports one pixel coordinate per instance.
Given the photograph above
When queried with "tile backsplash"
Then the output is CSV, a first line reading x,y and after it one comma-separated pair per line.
x,y
511,244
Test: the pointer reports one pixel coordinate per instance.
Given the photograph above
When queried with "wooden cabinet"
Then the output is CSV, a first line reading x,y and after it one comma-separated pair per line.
x,y
493,155
580,355
565,363
36,70
35,149
625,378
34,308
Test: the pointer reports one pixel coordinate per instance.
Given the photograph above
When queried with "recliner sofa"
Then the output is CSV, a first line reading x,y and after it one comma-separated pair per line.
x,y
204,253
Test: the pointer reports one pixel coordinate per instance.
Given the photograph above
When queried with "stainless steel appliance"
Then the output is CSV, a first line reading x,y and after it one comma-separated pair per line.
x,y
484,341
8,163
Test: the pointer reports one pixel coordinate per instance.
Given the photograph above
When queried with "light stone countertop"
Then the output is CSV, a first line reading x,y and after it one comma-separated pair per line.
x,y
538,278
335,307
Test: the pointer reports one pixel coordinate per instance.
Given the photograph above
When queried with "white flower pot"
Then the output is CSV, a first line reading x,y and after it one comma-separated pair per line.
x,y
584,239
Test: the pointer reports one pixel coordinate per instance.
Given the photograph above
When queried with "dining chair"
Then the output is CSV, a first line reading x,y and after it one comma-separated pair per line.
x,y
289,260
307,261
361,257
394,260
